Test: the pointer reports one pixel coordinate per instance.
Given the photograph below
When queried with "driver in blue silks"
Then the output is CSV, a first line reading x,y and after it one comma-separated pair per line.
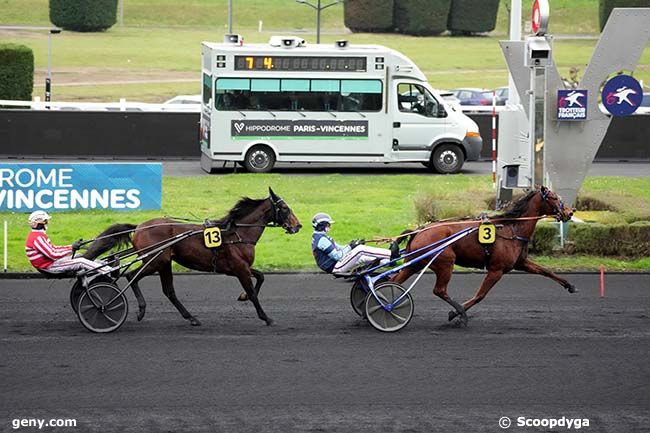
x,y
334,258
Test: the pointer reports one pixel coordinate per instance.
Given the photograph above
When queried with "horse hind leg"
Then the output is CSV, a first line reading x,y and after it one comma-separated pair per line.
x,y
443,276
259,280
142,304
492,277
167,281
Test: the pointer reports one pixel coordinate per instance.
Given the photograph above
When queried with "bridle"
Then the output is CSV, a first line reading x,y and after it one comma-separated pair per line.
x,y
557,209
278,219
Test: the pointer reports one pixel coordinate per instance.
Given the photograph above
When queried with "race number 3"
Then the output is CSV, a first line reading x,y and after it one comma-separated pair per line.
x,y
212,237
487,233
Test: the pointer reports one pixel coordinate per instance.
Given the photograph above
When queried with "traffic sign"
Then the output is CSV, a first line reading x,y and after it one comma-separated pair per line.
x,y
539,19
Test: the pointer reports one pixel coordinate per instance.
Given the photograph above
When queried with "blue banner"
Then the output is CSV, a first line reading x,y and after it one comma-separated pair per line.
x,y
68,186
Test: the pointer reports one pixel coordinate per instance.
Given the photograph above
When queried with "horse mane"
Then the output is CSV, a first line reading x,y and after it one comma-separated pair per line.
x,y
242,208
519,207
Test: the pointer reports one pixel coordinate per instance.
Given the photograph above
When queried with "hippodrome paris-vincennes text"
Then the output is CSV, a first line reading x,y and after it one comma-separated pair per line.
x,y
53,189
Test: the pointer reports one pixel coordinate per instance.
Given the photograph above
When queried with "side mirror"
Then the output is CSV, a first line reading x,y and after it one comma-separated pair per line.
x,y
441,111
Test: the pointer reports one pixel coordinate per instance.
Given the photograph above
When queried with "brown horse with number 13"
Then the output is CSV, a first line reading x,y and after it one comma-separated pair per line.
x,y
241,228
509,251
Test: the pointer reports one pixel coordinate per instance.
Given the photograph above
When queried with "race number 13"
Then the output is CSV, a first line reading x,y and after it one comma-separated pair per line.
x,y
212,237
487,233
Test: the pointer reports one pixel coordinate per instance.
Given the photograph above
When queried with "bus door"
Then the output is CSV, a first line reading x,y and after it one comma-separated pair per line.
x,y
417,121
206,112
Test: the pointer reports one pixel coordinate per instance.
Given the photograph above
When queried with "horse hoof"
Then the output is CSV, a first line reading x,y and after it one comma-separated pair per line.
x,y
140,315
572,289
269,322
453,314
195,322
242,297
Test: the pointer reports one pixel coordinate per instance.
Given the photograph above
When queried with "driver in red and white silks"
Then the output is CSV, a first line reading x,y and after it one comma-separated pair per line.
x,y
334,258
45,256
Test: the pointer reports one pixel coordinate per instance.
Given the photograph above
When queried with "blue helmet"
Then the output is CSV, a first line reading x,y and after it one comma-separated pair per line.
x,y
320,219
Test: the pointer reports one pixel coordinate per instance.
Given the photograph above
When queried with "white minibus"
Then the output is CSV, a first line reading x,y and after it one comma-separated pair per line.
x,y
288,101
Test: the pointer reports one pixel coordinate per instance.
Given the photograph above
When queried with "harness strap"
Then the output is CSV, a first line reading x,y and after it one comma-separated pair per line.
x,y
435,225
515,238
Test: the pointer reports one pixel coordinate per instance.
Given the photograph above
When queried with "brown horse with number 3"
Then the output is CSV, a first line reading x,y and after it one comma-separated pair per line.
x,y
509,251
241,228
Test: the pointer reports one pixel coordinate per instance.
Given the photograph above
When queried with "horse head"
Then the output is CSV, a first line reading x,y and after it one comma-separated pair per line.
x,y
552,205
283,215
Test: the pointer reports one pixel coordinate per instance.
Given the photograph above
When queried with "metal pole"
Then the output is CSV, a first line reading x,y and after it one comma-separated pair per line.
x,y
515,35
229,16
48,80
318,23
5,249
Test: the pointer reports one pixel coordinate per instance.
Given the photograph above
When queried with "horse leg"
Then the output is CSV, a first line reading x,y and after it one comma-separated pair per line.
x,y
402,275
443,276
490,280
167,281
142,304
533,268
259,280
247,283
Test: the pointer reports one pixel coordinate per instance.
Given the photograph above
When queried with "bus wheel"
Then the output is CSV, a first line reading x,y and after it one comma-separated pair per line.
x,y
447,159
259,159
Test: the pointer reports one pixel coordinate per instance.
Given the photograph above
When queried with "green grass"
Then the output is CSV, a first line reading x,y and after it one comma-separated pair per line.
x,y
125,52
280,14
363,206
629,196
136,92
144,43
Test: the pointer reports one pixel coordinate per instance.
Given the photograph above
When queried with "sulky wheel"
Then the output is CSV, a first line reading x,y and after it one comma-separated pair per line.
x,y
78,289
102,308
398,316
75,294
358,298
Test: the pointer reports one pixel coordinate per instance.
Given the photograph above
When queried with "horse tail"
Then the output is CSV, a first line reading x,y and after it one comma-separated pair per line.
x,y
406,234
117,235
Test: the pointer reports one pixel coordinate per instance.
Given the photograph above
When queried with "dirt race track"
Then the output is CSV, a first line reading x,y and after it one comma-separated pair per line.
x,y
531,350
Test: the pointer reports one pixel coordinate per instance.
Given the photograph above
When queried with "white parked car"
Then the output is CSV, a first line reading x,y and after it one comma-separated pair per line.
x,y
191,103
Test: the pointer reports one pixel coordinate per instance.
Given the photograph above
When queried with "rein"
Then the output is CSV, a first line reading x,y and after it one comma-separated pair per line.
x,y
436,225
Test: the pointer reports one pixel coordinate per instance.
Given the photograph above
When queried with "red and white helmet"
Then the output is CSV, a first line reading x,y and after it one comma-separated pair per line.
x,y
38,217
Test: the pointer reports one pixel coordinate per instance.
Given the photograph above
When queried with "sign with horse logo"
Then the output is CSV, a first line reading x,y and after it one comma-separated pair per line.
x,y
622,95
572,104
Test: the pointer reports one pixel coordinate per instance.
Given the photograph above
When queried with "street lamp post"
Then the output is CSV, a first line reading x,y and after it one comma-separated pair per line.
x,y
318,8
229,16
48,79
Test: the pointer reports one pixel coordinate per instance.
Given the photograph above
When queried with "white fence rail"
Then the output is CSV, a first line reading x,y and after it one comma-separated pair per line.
x,y
123,105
